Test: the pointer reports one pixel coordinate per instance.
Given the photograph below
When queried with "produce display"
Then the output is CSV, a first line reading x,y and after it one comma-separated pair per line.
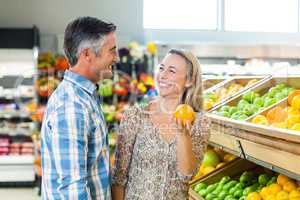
x,y
212,98
45,86
250,185
213,159
287,116
49,62
252,102
16,145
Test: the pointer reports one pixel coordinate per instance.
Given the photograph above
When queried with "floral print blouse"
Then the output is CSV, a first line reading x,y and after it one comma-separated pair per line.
x,y
146,165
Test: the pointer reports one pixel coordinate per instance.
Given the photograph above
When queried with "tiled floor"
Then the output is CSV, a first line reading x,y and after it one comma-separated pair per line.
x,y
19,193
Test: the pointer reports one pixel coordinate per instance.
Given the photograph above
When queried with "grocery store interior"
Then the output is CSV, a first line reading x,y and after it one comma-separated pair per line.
x,y
249,51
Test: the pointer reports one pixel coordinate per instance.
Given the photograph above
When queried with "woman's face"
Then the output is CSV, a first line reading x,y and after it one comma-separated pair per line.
x,y
171,76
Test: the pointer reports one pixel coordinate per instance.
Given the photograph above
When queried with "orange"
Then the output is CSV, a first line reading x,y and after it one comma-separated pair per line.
x,y
276,115
296,102
292,95
275,188
185,113
289,186
282,179
282,195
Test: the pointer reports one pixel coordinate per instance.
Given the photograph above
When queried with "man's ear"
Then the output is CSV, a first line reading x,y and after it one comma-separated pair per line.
x,y
87,54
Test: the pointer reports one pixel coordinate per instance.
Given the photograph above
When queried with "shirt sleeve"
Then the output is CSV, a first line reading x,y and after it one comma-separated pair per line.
x,y
69,139
125,144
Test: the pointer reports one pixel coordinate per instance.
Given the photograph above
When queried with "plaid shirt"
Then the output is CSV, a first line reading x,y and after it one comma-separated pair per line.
x,y
74,144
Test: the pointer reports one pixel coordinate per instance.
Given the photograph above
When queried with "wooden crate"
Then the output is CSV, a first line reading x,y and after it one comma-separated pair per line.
x,y
234,169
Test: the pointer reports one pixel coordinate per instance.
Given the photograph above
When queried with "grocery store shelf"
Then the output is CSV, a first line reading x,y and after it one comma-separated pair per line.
x,y
17,160
18,131
15,114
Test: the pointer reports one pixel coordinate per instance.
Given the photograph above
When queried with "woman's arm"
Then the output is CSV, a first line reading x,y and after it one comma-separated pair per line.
x,y
126,139
191,145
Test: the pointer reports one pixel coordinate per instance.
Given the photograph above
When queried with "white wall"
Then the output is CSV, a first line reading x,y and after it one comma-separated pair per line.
x,y
52,16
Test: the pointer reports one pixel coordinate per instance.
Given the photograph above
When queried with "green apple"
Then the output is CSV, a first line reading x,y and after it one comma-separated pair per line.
x,y
250,96
259,102
269,101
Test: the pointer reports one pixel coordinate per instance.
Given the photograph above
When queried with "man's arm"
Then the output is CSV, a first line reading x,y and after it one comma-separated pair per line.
x,y
69,139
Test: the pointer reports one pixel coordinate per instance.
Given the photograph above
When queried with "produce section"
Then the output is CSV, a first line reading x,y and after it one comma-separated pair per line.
x,y
260,125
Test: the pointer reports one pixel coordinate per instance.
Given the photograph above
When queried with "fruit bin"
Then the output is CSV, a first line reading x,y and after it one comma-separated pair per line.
x,y
281,115
230,88
262,88
245,181
234,169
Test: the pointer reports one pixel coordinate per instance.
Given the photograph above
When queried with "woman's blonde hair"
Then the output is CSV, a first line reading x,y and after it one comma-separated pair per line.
x,y
193,94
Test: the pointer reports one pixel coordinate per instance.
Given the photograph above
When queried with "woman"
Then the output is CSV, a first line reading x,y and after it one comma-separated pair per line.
x,y
156,157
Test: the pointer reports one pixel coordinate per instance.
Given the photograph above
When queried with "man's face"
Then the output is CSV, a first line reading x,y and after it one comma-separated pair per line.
x,y
101,64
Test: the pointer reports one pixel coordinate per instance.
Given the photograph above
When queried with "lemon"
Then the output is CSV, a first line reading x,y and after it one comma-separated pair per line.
x,y
296,102
292,111
280,125
294,194
275,188
202,167
260,119
264,192
271,197
296,127
253,196
208,169
208,104
292,119
220,165
282,195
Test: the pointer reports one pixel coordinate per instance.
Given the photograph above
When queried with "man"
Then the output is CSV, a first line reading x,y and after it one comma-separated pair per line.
x,y
75,151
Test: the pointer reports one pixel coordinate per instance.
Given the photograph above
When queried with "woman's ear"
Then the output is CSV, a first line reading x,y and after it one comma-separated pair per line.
x,y
188,84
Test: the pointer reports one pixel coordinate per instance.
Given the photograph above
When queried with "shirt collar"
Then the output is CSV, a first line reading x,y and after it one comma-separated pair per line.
x,y
80,81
